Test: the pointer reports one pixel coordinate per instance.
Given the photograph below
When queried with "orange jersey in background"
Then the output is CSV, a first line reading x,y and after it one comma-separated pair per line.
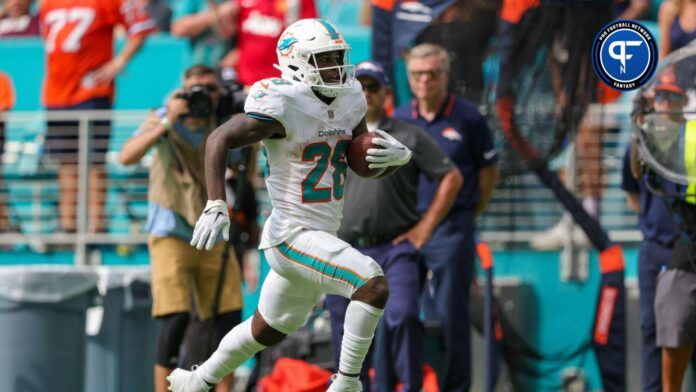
x,y
78,39
7,97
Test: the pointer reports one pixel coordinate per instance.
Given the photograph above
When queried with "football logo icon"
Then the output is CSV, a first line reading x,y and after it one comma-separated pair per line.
x,y
624,55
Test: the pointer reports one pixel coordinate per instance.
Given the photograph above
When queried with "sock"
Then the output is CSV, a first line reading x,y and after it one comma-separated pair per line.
x,y
591,205
236,347
358,330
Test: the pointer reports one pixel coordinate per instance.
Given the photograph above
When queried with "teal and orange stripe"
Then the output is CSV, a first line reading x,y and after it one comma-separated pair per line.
x,y
322,266
329,27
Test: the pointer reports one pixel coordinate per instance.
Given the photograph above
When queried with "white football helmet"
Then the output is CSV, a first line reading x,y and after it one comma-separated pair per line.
x,y
297,48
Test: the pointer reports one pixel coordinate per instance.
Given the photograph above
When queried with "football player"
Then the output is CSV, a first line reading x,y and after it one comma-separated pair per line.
x,y
305,120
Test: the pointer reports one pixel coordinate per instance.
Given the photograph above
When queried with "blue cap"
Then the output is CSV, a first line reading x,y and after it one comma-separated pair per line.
x,y
373,70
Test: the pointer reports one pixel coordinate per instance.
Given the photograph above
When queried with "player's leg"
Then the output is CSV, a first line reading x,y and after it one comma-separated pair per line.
x,y
337,268
283,307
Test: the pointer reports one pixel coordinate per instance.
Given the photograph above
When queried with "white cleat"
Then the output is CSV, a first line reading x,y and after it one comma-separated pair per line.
x,y
181,380
342,383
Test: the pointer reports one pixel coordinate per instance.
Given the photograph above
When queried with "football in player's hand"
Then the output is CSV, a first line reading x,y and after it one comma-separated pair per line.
x,y
357,151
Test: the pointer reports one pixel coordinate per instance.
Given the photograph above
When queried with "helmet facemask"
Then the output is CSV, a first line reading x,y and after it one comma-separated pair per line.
x,y
343,71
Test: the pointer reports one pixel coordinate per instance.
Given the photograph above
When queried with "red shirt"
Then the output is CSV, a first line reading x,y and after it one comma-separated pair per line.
x,y
25,25
259,26
78,37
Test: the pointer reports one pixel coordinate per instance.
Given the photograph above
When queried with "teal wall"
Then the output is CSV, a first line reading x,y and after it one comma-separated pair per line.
x,y
154,72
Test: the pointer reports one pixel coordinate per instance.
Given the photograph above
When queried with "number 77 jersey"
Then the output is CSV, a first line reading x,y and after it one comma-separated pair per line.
x,y
78,39
306,170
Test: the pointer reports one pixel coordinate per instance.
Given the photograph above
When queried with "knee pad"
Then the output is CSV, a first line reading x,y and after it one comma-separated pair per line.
x,y
170,337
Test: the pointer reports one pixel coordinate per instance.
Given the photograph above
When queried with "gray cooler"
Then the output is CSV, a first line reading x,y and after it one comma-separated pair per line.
x,y
121,333
42,327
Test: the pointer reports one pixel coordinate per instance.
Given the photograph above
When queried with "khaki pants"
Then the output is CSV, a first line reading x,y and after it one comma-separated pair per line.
x,y
182,275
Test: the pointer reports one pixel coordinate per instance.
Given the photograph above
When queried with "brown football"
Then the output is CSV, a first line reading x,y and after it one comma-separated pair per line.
x,y
357,151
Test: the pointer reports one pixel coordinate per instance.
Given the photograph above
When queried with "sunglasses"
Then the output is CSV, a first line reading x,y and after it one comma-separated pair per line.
x,y
371,87
432,74
667,97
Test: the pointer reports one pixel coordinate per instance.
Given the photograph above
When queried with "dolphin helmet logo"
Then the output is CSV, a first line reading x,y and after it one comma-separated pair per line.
x,y
285,45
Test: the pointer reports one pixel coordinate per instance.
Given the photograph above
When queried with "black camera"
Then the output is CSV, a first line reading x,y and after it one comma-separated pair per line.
x,y
232,96
200,103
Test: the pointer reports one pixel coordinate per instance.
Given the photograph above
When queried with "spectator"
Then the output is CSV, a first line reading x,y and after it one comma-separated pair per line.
x,y
465,29
177,195
659,236
664,139
159,12
7,100
258,27
676,23
16,19
380,220
80,76
461,131
209,29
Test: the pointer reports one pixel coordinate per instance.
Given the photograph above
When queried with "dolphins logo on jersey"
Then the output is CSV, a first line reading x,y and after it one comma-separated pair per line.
x,y
258,95
285,45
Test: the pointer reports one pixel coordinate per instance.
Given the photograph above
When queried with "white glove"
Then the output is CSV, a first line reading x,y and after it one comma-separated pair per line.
x,y
393,152
215,219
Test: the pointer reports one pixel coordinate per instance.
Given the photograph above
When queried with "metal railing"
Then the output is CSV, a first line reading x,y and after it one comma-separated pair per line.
x,y
31,191
521,205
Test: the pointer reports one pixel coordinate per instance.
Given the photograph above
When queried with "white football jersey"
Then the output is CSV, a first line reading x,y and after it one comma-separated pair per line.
x,y
306,170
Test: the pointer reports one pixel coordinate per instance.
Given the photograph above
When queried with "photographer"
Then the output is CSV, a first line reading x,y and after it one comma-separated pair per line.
x,y
185,281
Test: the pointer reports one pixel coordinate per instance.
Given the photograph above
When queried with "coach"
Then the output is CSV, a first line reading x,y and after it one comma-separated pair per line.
x,y
381,220
461,131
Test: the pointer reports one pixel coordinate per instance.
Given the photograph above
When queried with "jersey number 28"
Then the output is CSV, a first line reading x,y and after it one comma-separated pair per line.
x,y
311,192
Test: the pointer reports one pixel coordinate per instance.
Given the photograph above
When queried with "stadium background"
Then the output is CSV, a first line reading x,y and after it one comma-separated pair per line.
x,y
553,316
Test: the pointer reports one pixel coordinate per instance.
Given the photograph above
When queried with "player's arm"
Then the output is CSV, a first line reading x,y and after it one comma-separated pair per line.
x,y
239,131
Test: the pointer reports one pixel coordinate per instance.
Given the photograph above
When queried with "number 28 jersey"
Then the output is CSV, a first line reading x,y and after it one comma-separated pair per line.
x,y
306,170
